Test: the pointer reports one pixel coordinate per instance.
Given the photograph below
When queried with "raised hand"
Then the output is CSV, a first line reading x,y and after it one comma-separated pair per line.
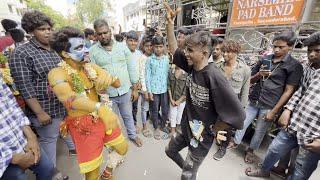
x,y
170,13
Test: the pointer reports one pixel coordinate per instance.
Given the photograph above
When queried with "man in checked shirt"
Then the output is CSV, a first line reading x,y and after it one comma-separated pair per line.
x,y
301,122
30,64
19,148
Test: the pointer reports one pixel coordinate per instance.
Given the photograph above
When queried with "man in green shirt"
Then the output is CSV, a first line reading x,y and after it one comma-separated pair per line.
x,y
116,58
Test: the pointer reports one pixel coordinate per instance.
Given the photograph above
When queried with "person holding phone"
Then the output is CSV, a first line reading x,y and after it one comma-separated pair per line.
x,y
274,79
300,121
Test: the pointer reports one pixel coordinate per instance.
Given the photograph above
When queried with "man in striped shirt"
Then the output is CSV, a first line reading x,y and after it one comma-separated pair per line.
x,y
301,122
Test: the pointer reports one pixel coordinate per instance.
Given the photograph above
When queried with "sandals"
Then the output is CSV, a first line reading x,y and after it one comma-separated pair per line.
x,y
156,134
146,133
232,145
165,136
106,174
137,141
280,172
249,157
59,176
165,129
256,173
138,129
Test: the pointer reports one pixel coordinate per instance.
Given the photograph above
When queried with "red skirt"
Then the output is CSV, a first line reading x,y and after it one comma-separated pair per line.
x,y
89,137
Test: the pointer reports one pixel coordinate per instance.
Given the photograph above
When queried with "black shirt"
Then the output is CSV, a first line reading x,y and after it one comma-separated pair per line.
x,y
268,92
208,95
30,64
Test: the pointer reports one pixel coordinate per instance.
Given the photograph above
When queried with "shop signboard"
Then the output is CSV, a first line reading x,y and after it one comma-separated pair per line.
x,y
265,12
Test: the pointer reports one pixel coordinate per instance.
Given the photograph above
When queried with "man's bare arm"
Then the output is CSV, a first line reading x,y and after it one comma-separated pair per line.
x,y
172,42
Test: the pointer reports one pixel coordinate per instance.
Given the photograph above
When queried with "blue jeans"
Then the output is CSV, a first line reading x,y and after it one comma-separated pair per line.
x,y
262,126
48,136
306,163
43,170
124,105
159,101
144,109
282,144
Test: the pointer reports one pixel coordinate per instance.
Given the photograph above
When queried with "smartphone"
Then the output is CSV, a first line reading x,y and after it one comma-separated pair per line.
x,y
266,65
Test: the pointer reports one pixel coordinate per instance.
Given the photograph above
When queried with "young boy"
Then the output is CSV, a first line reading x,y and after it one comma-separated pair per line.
x,y
157,69
208,96
146,48
132,38
177,97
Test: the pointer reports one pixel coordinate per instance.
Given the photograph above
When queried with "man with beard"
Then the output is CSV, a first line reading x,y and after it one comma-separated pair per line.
x,y
117,59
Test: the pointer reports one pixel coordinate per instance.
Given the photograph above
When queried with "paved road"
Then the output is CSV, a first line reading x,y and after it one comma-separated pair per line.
x,y
150,163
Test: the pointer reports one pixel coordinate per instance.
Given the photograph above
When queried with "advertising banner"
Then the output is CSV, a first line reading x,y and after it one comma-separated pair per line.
x,y
265,12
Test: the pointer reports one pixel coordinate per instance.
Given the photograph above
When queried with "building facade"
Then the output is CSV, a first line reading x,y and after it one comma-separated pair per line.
x,y
135,15
12,9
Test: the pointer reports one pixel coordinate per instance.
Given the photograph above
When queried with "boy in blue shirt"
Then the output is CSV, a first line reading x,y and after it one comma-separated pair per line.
x,y
157,70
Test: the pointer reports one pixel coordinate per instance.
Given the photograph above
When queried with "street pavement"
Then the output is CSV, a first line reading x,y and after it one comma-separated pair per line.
x,y
150,162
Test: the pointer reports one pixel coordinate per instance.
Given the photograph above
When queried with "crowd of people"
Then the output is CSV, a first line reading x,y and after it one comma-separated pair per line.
x,y
194,87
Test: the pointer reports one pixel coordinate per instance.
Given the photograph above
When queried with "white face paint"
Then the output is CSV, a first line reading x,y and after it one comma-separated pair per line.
x,y
77,51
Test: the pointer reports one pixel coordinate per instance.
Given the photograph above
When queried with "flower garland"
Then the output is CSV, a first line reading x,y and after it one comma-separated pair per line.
x,y
3,60
6,74
77,83
92,74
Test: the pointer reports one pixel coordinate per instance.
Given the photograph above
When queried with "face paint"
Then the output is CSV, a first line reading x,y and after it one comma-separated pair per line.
x,y
77,51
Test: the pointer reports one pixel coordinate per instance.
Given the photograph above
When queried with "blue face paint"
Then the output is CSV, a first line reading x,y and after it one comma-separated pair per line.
x,y
76,52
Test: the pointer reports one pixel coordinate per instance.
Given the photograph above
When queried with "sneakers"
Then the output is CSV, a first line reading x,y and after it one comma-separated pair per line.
x,y
220,153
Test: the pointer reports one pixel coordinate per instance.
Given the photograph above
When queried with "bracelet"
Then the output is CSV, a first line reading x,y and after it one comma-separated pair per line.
x,y
97,106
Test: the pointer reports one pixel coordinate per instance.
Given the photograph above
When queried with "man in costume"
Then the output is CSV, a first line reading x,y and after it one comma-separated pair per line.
x,y
78,85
